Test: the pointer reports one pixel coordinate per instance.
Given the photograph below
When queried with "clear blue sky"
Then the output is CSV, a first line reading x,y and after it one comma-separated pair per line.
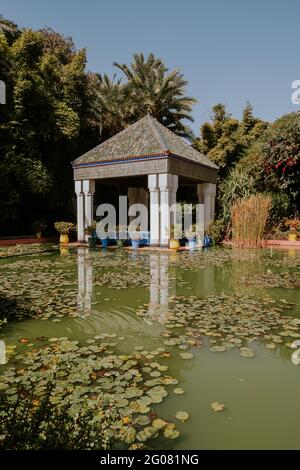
x,y
229,51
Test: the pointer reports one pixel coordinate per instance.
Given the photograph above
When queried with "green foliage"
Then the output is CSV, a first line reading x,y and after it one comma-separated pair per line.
x,y
225,139
217,231
281,208
48,120
280,151
238,184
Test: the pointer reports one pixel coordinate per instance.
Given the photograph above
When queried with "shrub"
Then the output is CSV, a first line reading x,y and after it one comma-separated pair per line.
x,y
216,230
35,423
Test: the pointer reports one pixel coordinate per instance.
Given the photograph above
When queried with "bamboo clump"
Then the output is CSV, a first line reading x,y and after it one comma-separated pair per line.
x,y
249,217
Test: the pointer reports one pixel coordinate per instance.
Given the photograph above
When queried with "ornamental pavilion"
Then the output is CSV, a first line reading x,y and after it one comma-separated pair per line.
x,y
152,162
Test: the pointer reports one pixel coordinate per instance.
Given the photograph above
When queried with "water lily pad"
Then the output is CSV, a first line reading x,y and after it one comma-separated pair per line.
x,y
217,348
178,391
170,433
186,355
159,423
182,415
217,406
155,373
247,352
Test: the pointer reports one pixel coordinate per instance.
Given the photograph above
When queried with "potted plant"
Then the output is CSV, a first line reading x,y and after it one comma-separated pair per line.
x,y
175,232
293,225
39,226
102,233
64,228
90,231
135,237
121,229
191,234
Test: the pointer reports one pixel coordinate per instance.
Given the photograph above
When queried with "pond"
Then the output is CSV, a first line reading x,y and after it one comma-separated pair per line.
x,y
210,334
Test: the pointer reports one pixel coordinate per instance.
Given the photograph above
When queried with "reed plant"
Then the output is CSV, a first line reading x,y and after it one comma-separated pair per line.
x,y
249,218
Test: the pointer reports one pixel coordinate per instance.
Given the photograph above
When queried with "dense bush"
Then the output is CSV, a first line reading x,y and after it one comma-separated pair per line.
x,y
35,423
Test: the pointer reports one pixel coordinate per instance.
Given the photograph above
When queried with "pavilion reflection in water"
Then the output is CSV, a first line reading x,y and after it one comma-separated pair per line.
x,y
85,282
161,284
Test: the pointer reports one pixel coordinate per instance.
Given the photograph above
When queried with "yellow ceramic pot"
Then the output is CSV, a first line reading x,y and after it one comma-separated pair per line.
x,y
64,251
64,238
174,245
292,237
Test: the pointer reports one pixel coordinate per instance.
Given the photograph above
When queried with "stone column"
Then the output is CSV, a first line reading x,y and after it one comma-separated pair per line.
x,y
88,189
80,211
165,181
209,195
206,195
154,210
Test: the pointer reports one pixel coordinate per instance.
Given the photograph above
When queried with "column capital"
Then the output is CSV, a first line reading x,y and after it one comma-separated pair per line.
x,y
153,183
88,186
209,189
165,181
78,188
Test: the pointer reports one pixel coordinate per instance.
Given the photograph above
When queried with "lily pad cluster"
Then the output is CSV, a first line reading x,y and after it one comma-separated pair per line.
x,y
26,249
214,257
93,375
37,289
227,322
269,279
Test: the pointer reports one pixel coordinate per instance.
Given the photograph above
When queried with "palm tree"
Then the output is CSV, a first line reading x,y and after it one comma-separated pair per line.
x,y
114,110
8,28
151,88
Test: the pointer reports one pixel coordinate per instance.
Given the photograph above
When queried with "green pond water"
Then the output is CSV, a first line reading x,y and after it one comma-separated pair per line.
x,y
216,302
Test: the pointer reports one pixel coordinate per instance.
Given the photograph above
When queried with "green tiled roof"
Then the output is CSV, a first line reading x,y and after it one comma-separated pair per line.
x,y
145,138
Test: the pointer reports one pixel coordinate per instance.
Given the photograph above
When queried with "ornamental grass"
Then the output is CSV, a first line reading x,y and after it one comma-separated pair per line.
x,y
249,217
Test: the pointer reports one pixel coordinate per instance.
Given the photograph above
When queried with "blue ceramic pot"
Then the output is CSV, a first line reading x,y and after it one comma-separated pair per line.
x,y
104,242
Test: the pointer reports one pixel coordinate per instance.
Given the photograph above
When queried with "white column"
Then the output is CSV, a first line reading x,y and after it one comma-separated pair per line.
x,y
165,181
154,210
88,189
80,210
173,198
209,195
